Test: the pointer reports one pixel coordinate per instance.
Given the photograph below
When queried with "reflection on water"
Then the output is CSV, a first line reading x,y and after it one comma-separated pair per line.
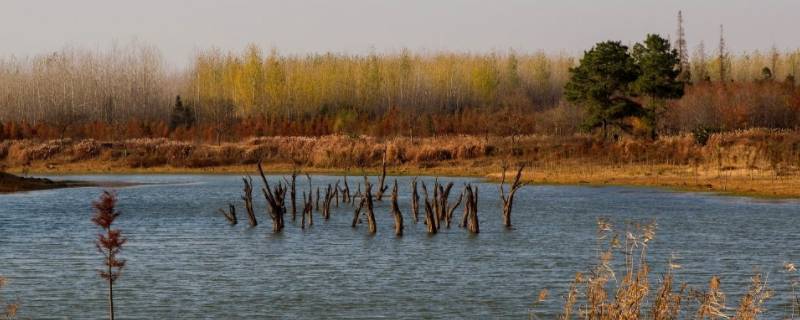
x,y
184,261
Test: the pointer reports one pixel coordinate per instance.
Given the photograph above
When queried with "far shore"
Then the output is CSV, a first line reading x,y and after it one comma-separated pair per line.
x,y
751,183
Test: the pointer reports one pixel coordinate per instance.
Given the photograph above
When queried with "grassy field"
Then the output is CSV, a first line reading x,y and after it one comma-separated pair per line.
x,y
755,163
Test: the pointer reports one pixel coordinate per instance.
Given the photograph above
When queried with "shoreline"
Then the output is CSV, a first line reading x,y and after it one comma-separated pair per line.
x,y
754,184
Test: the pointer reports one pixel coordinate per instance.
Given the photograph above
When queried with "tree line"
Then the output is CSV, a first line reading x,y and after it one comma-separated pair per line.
x,y
129,91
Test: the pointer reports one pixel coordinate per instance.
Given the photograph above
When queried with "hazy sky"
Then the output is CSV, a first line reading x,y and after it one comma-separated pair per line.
x,y
179,27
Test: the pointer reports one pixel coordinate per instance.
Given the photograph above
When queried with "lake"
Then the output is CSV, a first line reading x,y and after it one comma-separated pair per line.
x,y
185,261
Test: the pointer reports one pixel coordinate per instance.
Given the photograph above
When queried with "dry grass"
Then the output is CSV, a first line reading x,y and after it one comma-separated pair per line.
x,y
753,162
604,294
9,309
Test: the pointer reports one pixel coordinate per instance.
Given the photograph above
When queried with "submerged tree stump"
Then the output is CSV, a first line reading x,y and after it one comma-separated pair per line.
x,y
430,218
316,204
470,219
398,216
293,192
275,201
230,215
346,198
248,201
357,212
508,199
382,180
414,200
326,204
308,211
373,227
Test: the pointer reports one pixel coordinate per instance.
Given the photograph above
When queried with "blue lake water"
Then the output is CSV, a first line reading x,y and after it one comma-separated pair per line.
x,y
185,261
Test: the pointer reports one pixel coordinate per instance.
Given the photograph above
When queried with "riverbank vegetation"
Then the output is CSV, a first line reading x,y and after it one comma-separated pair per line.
x,y
650,114
129,92
757,162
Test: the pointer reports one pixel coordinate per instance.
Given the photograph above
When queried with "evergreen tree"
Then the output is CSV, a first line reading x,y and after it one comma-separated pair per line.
x,y
658,80
181,116
766,74
176,119
602,83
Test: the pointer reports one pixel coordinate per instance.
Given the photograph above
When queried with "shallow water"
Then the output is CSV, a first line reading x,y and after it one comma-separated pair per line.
x,y
184,261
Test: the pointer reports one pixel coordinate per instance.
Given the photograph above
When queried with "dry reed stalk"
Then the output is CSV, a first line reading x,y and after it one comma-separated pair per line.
x,y
712,301
752,304
9,309
571,298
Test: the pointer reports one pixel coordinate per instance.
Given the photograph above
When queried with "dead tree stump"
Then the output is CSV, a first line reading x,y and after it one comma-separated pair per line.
x,y
414,200
276,207
248,201
508,199
373,227
230,215
346,192
398,216
357,213
382,187
471,209
430,218
293,192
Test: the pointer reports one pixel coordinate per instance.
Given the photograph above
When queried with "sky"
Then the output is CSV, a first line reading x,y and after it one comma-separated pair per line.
x,y
181,27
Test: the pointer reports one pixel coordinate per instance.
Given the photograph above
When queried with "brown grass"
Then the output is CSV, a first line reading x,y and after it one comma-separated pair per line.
x,y
753,162
603,294
9,309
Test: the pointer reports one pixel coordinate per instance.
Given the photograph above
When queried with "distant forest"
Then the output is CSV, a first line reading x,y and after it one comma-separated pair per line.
x,y
130,92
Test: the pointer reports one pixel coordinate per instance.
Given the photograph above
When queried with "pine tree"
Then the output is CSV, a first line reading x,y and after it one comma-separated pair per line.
x,y
659,77
176,119
602,83
181,116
